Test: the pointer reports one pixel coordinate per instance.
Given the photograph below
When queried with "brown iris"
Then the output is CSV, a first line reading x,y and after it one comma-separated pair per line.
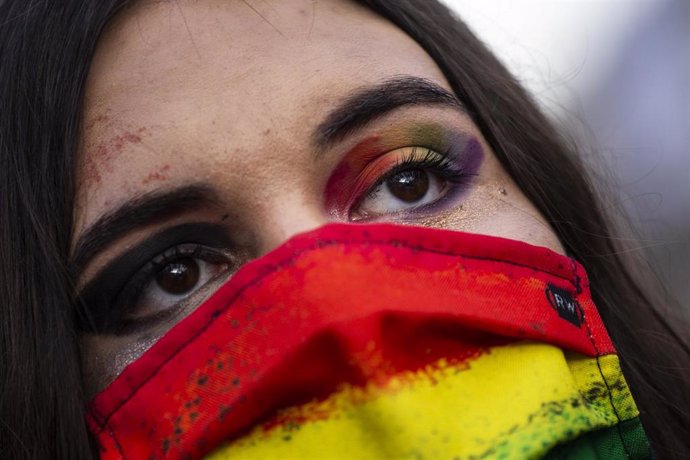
x,y
179,277
409,186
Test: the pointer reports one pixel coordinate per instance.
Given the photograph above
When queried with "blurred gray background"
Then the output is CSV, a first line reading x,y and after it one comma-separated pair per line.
x,y
615,74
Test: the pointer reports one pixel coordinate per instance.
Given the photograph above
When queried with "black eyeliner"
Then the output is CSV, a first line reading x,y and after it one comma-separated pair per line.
x,y
96,301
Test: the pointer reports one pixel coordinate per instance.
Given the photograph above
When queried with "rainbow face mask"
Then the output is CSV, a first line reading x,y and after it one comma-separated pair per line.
x,y
380,341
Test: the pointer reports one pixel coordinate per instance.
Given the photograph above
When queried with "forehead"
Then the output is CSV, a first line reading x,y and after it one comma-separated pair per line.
x,y
211,79
224,53
168,53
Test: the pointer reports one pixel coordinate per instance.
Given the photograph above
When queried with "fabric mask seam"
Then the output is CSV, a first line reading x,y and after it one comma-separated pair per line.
x,y
598,360
117,443
606,383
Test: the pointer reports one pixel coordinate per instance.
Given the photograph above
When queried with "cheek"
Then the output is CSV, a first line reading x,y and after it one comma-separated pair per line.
x,y
104,358
495,206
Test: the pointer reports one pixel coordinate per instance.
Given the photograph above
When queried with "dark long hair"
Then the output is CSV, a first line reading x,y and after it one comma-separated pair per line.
x,y
46,48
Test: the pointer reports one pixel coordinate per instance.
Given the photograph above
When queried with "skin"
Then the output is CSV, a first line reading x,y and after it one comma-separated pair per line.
x,y
227,94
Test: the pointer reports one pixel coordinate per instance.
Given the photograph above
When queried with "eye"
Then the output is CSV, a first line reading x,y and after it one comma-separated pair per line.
x,y
180,277
414,178
155,283
403,190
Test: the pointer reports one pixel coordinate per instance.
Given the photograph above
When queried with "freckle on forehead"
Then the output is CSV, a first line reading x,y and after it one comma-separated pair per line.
x,y
159,175
102,153
103,118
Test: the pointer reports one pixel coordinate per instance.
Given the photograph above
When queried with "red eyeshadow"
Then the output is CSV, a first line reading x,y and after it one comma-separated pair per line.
x,y
339,189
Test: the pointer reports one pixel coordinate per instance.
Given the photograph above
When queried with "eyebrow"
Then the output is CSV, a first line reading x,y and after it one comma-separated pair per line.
x,y
354,112
143,210
369,103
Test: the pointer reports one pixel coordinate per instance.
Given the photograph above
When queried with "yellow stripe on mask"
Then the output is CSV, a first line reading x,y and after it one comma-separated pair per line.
x,y
515,401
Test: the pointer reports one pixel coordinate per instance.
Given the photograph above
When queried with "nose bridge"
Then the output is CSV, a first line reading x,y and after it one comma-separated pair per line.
x,y
286,218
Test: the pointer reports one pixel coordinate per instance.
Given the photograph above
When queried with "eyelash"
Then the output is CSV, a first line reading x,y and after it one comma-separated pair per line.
x,y
441,164
131,293
104,309
133,290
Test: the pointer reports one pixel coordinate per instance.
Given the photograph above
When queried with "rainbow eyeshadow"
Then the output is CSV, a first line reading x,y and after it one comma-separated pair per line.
x,y
368,163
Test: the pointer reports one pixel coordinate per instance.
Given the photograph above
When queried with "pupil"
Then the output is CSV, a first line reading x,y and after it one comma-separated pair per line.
x,y
409,186
179,277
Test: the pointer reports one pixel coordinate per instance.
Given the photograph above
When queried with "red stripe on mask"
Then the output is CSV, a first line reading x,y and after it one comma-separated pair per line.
x,y
344,304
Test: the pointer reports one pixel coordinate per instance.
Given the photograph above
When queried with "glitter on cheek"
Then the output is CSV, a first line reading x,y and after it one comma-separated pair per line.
x,y
478,213
104,358
126,356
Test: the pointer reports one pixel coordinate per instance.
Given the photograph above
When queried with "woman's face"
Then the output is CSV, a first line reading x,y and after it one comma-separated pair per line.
x,y
215,130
